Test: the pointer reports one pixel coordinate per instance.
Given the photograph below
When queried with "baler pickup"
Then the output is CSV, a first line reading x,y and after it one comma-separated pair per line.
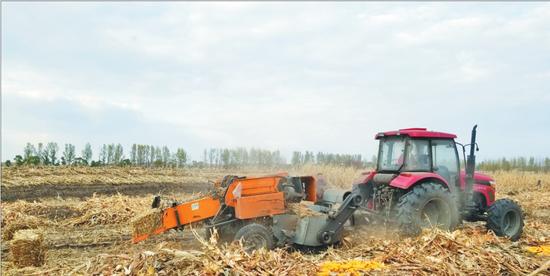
x,y
176,217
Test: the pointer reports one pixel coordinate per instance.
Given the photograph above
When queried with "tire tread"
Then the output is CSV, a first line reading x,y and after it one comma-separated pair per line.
x,y
495,215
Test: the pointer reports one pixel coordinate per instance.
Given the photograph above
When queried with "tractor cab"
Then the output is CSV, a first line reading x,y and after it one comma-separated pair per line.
x,y
418,177
417,150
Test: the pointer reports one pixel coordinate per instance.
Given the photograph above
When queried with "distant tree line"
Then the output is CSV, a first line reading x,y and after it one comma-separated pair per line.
x,y
322,158
242,157
518,163
51,154
109,155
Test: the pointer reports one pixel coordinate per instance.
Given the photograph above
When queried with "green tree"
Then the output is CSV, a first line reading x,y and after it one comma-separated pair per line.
x,y
18,160
33,160
181,157
28,152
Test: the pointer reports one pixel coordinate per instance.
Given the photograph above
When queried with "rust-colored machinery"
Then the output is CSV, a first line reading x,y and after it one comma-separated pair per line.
x,y
255,209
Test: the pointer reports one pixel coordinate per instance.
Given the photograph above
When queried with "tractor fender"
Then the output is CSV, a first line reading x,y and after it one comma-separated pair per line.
x,y
486,192
364,178
407,180
363,182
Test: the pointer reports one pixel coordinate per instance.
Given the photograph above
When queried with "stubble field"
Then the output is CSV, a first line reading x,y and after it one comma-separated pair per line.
x,y
84,215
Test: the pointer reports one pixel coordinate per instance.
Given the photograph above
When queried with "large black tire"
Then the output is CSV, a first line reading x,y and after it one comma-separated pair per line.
x,y
426,205
255,236
505,218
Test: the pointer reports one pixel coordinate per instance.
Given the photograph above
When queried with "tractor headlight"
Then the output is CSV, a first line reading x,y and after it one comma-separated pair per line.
x,y
492,183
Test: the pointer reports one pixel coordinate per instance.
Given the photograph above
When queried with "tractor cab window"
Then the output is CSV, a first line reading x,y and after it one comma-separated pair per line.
x,y
391,155
445,160
418,155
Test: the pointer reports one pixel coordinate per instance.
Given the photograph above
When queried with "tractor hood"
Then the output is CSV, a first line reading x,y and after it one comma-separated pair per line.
x,y
479,178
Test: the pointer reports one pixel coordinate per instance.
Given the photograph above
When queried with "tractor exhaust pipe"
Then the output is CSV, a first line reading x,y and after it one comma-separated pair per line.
x,y
470,170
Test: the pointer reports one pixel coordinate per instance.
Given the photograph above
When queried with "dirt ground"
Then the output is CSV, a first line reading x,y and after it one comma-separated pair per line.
x,y
78,229
87,230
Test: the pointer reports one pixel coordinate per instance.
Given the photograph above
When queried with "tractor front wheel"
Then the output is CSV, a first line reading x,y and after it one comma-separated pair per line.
x,y
505,218
426,205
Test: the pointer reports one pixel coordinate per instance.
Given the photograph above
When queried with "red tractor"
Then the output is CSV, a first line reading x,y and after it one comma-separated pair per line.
x,y
418,183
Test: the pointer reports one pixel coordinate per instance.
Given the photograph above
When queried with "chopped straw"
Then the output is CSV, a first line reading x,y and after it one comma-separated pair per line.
x,y
465,251
302,209
147,222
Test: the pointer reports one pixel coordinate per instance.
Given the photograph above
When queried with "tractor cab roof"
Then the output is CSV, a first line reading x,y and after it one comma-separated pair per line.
x,y
416,133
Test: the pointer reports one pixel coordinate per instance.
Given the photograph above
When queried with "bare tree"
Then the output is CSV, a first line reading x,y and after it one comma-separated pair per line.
x,y
87,153
51,152
134,154
118,154
69,154
152,154
40,152
103,154
165,155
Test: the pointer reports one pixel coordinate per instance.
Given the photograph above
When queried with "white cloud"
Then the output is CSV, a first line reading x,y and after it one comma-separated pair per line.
x,y
295,76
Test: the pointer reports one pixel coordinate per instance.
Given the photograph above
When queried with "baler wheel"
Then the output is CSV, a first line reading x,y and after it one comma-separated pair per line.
x,y
255,236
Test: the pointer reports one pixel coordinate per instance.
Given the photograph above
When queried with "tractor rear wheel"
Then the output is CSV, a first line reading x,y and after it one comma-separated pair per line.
x,y
426,205
255,236
505,218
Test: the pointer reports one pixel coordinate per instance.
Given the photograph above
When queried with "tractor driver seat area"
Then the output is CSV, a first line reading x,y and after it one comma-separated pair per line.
x,y
443,172
423,160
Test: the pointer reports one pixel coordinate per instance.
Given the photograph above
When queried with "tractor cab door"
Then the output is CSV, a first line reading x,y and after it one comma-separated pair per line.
x,y
445,160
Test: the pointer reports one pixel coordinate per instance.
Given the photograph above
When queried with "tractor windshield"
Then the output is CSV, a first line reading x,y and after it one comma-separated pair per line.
x,y
417,157
390,156
400,154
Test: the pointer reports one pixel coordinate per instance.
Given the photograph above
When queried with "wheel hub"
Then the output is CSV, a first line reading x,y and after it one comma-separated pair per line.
x,y
510,223
254,242
435,213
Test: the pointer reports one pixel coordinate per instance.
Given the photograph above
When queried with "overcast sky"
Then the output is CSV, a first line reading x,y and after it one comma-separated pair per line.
x,y
288,76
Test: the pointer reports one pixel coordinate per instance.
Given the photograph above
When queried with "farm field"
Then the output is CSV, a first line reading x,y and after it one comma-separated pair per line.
x,y
85,213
